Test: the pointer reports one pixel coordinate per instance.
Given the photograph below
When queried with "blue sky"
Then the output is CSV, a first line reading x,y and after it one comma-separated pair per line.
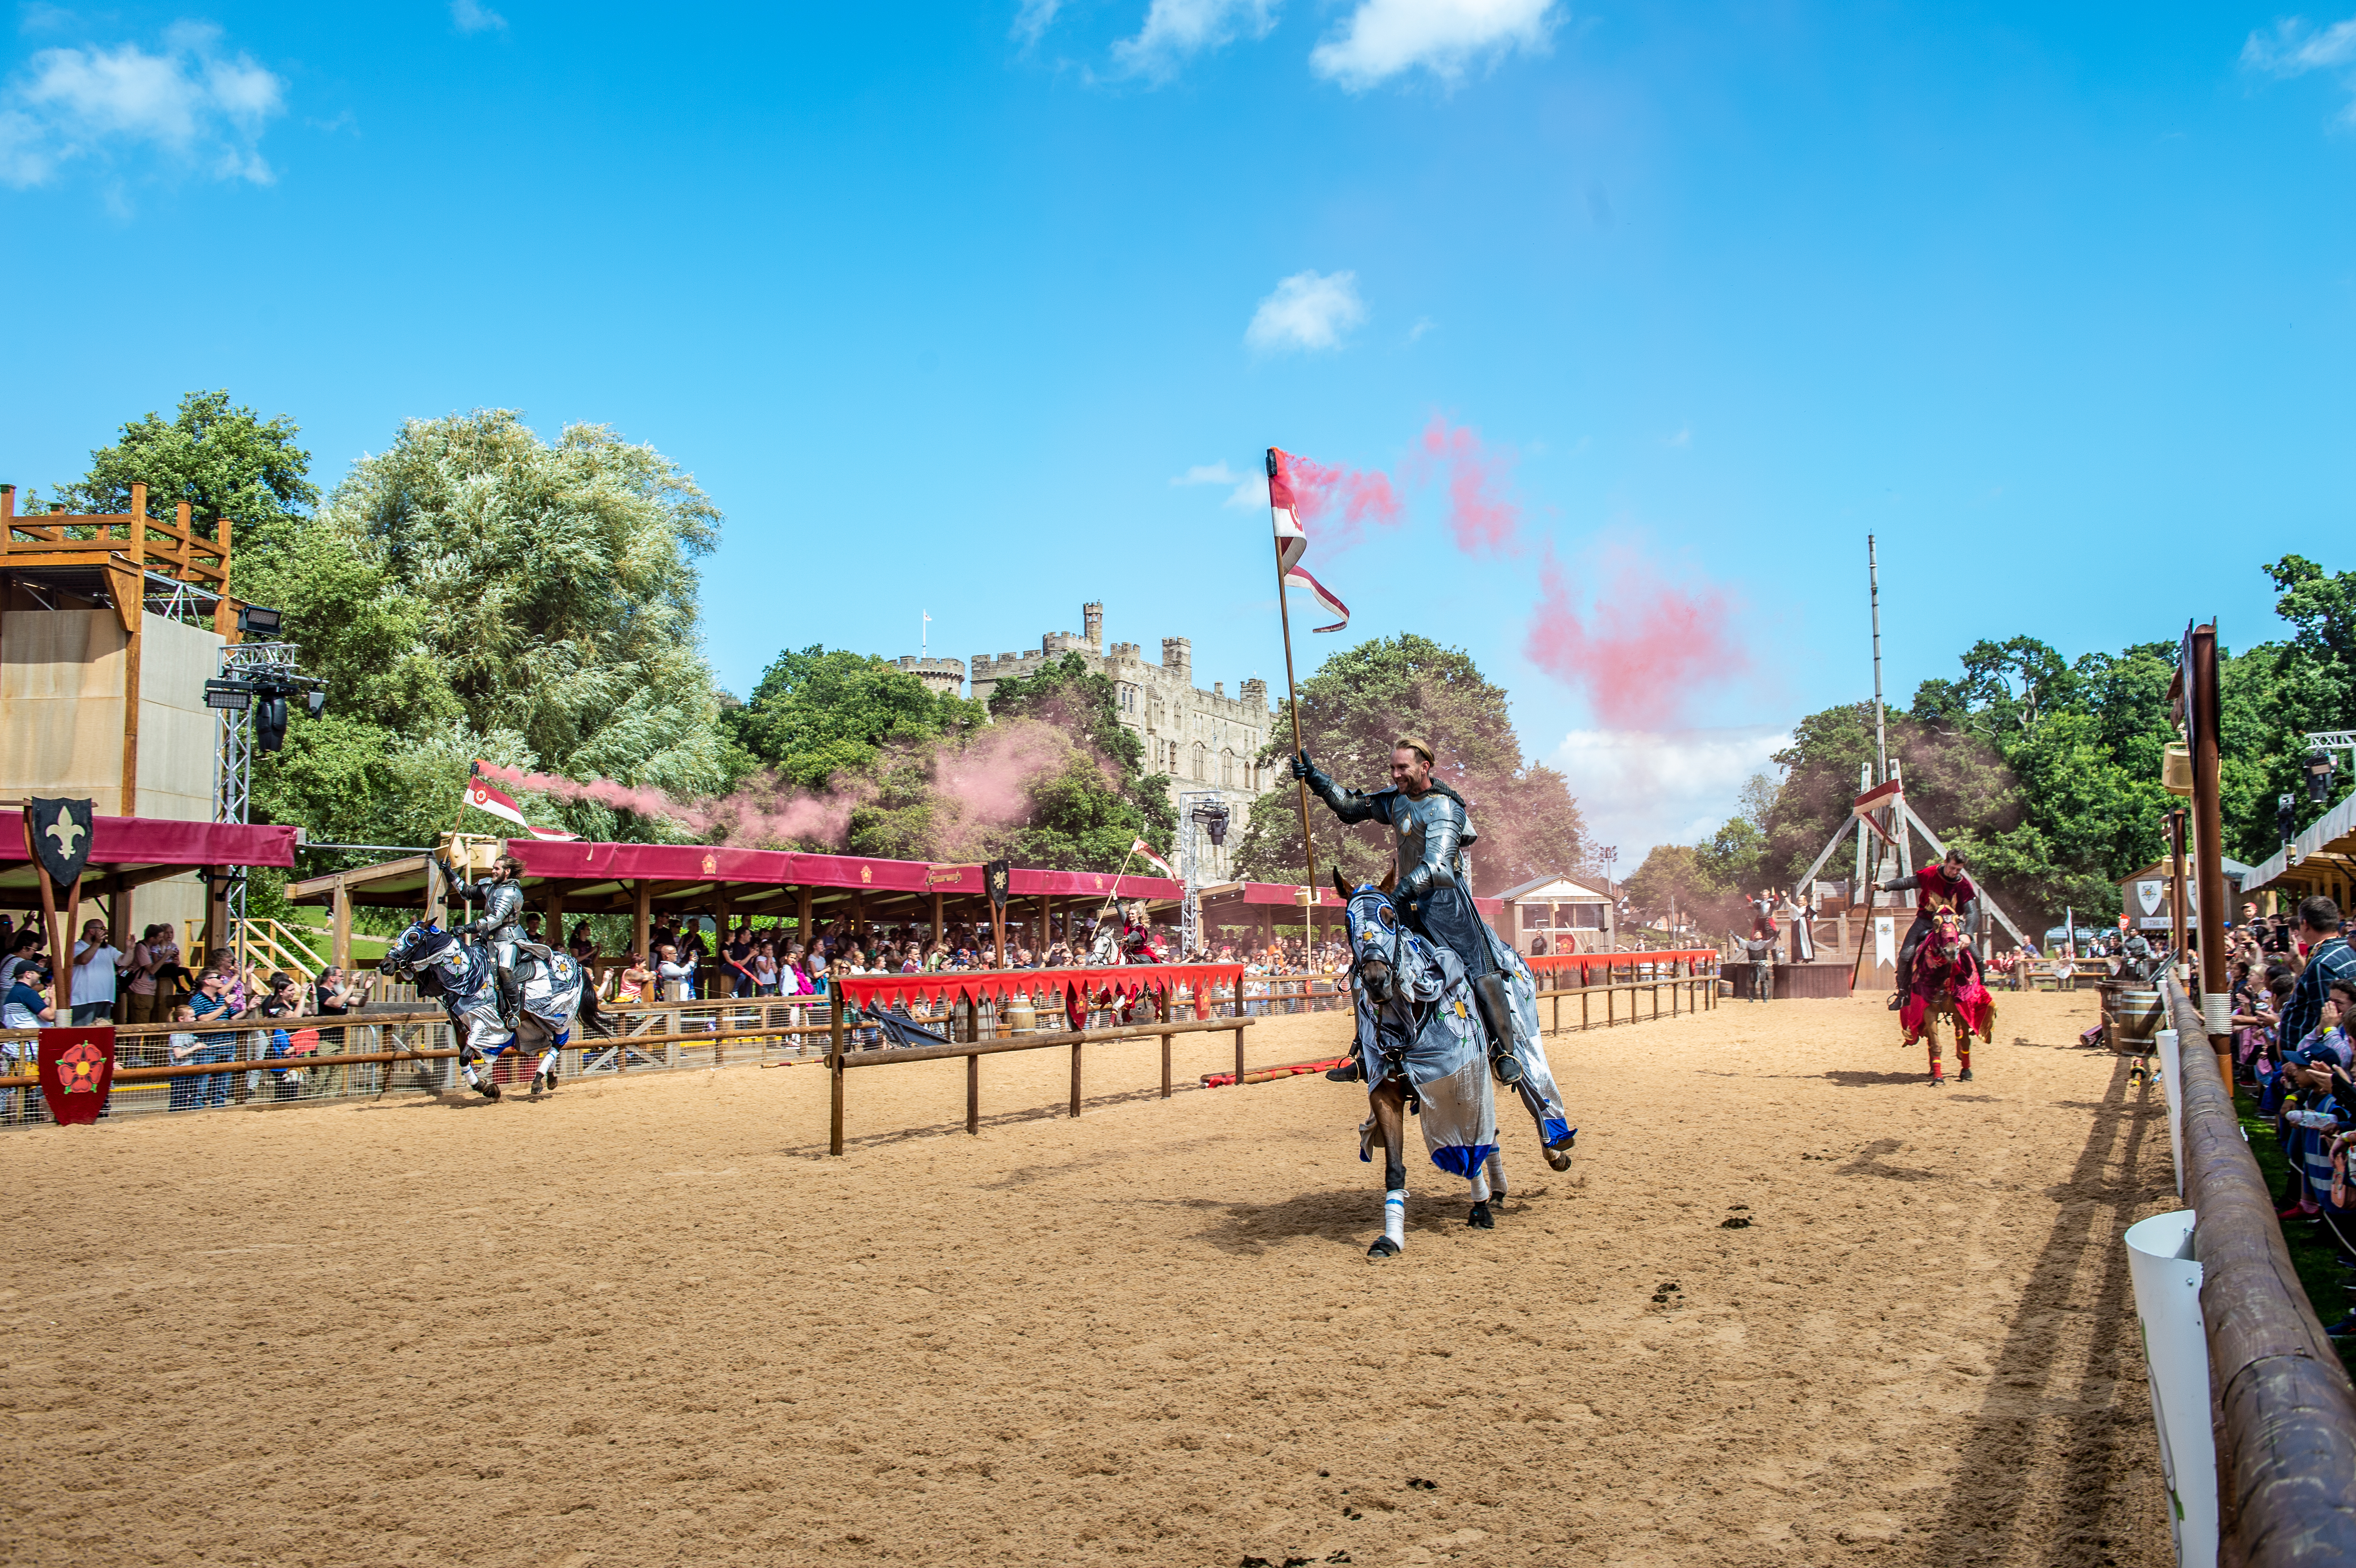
x,y
940,305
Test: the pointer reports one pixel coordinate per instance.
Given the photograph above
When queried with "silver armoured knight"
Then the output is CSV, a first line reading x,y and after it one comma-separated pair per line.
x,y
1430,828
499,928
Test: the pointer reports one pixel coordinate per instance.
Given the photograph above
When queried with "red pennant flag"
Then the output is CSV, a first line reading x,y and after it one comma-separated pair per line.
x,y
76,1069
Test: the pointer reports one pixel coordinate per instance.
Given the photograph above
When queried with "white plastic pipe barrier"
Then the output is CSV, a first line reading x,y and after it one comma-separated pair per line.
x,y
2176,1351
2170,1059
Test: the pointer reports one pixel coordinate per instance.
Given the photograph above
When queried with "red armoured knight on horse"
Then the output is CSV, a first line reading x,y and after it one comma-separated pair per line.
x,y
1944,981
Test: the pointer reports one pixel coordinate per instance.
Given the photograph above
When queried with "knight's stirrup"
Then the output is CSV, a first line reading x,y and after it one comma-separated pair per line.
x,y
1348,1072
1507,1068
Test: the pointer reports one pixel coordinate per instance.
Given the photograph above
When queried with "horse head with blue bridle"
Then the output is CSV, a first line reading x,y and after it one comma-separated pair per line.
x,y
464,978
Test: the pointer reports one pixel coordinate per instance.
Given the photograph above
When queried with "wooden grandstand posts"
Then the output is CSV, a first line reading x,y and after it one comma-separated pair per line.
x,y
641,918
556,921
339,926
132,582
2202,710
802,916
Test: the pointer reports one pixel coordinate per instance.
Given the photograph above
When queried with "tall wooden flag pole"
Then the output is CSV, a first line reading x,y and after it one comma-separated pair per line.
x,y
1292,544
1293,693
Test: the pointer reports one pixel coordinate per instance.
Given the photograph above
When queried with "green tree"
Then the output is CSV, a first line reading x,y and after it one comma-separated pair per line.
x,y
1353,707
1675,877
818,713
477,591
223,460
1086,811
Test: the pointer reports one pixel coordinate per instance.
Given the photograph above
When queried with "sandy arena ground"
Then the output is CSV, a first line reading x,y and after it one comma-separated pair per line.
x,y
648,1322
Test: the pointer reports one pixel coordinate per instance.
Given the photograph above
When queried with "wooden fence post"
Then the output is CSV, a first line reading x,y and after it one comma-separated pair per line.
x,y
1076,1078
1239,1031
834,1062
973,1094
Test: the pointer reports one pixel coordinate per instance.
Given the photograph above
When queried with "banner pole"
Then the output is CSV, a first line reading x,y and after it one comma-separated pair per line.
x,y
1292,694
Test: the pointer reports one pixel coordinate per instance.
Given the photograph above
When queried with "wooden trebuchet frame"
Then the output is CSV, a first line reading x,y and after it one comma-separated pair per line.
x,y
2286,1409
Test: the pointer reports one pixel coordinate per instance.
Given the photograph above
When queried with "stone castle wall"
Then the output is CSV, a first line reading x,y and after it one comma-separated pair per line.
x,y
1205,741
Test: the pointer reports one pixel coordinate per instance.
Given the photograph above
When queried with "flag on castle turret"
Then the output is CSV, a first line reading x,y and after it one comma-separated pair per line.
x,y
1292,540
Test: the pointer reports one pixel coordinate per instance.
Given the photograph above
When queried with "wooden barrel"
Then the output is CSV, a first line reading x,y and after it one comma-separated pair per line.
x,y
2139,1017
1018,1016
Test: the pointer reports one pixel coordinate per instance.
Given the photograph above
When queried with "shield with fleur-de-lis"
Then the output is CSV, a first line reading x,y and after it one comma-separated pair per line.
x,y
61,833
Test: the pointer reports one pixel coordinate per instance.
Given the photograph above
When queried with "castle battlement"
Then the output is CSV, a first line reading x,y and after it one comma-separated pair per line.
x,y
1205,741
939,675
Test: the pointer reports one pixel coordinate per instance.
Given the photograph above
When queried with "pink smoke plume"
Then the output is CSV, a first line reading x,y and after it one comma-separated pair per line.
x,y
1482,513
1643,647
977,789
762,811
1360,496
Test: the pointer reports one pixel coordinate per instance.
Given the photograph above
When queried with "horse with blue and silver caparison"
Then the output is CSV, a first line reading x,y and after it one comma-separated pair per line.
x,y
1420,1044
465,978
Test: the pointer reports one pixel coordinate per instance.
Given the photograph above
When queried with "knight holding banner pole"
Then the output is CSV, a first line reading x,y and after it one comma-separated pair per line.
x,y
1430,821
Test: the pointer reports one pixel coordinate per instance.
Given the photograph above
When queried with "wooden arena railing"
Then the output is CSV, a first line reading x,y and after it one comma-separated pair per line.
x,y
1085,991
2285,1409
1692,980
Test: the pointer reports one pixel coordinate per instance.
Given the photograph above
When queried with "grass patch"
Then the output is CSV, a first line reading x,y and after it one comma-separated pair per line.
x,y
2311,1252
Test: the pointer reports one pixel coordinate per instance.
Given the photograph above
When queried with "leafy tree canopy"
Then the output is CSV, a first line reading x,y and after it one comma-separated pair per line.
x,y
223,460
818,713
1353,707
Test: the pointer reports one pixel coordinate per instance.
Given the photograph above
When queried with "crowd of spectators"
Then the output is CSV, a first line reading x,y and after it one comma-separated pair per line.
x,y
2294,1001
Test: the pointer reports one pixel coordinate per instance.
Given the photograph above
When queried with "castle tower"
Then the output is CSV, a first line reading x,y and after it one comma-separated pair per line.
x,y
1092,616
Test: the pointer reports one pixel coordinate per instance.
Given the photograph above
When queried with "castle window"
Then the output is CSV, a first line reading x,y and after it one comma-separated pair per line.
x,y
1203,764
1228,775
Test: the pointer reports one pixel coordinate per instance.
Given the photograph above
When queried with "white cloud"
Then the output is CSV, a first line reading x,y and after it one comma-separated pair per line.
x,y
1033,18
1383,38
1249,489
204,107
1683,438
1639,788
1177,31
474,16
1308,310
2296,47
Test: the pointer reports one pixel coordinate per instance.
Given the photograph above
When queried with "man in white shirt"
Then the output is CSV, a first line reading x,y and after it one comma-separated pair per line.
x,y
93,974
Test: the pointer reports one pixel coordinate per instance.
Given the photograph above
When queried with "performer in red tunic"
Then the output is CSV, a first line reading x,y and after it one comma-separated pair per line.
x,y
1944,965
1942,885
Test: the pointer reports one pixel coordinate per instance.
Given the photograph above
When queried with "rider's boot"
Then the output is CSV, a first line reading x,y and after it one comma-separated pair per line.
x,y
1350,1071
511,999
1497,1015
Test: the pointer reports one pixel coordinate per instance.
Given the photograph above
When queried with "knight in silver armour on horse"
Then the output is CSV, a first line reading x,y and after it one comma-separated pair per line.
x,y
1431,827
499,929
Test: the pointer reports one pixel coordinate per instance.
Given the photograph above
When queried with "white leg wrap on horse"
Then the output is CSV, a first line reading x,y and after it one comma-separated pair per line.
x,y
548,1062
1395,1216
1494,1169
1481,1184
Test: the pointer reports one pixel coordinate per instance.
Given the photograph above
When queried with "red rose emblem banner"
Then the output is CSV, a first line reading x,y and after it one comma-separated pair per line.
x,y
77,1067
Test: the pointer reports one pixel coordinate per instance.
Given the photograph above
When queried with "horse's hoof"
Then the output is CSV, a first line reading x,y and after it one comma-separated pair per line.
x,y
490,1091
1966,1075
1937,1082
1384,1247
1481,1219
1558,1159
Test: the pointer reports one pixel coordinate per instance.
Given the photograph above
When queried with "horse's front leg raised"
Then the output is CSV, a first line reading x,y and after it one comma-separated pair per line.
x,y
1388,1102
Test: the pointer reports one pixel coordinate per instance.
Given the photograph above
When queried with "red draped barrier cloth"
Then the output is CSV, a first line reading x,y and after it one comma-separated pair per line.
x,y
1544,963
1077,987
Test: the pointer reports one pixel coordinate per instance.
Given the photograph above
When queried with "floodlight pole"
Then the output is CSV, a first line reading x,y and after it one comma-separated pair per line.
x,y
245,663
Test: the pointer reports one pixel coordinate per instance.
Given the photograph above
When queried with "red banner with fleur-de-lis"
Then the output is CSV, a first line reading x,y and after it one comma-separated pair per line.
x,y
76,1069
